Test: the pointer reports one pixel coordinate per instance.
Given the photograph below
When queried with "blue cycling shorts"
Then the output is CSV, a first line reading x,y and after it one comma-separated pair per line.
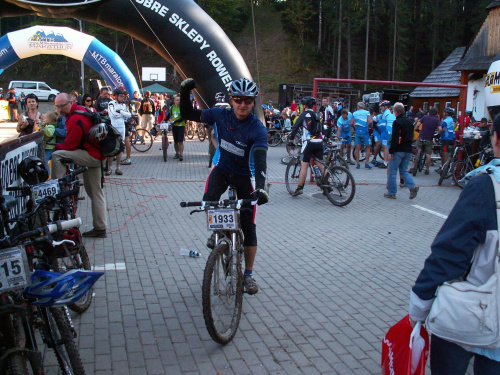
x,y
384,136
376,135
346,138
363,139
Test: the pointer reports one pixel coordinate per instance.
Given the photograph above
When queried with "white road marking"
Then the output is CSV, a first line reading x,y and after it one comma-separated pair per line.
x,y
430,211
111,267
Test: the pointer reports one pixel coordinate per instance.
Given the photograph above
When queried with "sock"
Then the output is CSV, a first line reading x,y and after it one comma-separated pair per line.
x,y
248,273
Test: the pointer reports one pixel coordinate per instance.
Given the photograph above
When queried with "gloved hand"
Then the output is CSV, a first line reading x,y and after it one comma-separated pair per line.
x,y
187,85
261,196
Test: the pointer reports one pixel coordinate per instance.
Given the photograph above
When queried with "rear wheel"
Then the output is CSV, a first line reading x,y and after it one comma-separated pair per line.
x,y
273,138
190,131
339,186
222,294
459,170
362,153
201,132
141,140
164,146
444,172
292,175
418,162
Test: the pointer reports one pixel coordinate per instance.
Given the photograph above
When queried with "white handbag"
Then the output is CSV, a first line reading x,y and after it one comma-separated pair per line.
x,y
467,314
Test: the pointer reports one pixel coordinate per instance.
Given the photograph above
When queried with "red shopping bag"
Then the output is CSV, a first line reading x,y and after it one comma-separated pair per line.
x,y
403,345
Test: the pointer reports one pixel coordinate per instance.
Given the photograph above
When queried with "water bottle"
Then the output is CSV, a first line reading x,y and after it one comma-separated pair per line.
x,y
191,253
317,172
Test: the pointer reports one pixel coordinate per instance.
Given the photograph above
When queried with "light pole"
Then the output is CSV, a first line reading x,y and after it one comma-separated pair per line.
x,y
82,66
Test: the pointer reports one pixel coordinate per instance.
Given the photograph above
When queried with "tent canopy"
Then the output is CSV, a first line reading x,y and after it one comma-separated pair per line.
x,y
157,88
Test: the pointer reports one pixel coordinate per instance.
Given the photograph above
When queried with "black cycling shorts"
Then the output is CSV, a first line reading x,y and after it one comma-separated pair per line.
x,y
127,129
217,183
312,149
178,133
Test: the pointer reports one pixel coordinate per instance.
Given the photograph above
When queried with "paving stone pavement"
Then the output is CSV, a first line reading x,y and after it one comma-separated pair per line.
x,y
332,279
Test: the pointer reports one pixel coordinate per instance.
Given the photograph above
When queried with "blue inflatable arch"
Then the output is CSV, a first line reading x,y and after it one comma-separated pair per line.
x,y
56,40
179,30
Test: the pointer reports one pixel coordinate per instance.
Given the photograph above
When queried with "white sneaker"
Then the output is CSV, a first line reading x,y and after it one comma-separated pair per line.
x,y
126,161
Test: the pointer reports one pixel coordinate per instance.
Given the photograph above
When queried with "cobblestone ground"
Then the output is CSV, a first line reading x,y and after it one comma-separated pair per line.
x,y
332,280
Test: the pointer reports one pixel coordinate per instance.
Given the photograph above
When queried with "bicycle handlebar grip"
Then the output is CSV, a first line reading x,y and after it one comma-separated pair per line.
x,y
80,171
18,188
191,204
65,194
66,224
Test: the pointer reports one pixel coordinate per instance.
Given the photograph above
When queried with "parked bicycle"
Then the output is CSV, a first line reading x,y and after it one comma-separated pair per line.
x,y
164,128
195,128
140,138
222,288
337,182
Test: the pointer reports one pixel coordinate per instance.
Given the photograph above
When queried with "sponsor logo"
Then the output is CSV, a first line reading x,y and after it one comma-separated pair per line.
x,y
231,148
50,40
241,144
493,82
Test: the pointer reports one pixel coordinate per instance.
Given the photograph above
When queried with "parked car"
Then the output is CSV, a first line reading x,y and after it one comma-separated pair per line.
x,y
40,89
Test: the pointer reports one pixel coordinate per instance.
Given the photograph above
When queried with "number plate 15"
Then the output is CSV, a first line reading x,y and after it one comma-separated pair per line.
x,y
46,189
14,271
222,219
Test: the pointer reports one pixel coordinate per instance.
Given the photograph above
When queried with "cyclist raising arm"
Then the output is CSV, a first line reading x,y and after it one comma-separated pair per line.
x,y
241,154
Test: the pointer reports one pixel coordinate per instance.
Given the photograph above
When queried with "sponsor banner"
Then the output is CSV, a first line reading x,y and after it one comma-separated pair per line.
x,y
7,54
492,88
49,40
110,66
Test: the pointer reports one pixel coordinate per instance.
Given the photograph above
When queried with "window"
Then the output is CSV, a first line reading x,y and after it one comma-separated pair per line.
x,y
447,105
41,86
17,85
28,85
425,106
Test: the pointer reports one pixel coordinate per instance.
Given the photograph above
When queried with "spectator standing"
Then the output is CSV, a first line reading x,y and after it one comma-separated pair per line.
x,y
447,131
87,102
484,130
86,156
420,113
293,106
48,127
328,116
101,104
118,114
178,127
26,122
465,119
11,98
400,153
465,248
147,111
22,100
425,141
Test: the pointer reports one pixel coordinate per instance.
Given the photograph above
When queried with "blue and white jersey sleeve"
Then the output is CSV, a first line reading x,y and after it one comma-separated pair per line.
x,y
390,119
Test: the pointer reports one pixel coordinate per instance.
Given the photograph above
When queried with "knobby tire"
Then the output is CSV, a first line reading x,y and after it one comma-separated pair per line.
x,y
444,172
219,267
141,140
292,175
339,186
459,170
273,138
164,147
83,262
202,135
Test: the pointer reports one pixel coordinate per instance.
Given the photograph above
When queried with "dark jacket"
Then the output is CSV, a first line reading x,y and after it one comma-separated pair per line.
x,y
402,135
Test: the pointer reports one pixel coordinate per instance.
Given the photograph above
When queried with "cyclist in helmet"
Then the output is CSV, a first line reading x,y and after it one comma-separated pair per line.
x,y
118,114
240,157
312,139
447,131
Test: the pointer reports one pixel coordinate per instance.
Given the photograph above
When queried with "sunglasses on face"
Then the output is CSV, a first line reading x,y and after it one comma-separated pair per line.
x,y
239,100
88,100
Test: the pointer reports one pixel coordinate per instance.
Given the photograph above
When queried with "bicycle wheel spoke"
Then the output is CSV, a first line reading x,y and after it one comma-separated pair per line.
x,y
339,186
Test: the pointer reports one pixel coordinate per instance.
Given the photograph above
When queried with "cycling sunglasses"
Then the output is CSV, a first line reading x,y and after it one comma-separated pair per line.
x,y
239,100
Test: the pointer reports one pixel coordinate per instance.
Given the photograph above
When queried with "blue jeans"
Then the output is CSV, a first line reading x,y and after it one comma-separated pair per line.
x,y
448,358
400,161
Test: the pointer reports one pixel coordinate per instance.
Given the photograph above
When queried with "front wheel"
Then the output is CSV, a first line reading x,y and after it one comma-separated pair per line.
x,y
292,174
418,162
164,146
444,172
362,153
273,138
222,294
339,186
459,170
51,98
201,133
190,131
141,140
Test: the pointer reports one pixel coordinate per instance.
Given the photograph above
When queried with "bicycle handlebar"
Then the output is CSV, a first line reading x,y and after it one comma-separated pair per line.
x,y
223,203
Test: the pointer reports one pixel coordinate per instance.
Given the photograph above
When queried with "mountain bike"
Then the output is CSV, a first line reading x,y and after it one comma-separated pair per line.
x,y
337,182
332,155
197,128
293,148
140,138
164,128
222,288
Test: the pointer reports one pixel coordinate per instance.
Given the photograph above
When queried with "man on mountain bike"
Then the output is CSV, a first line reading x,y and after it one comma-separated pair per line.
x,y
312,141
240,156
447,131
344,126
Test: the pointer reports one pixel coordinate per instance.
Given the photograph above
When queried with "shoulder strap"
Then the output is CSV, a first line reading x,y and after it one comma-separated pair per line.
x,y
496,186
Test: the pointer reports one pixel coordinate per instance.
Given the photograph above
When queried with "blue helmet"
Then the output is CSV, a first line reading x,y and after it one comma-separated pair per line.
x,y
56,289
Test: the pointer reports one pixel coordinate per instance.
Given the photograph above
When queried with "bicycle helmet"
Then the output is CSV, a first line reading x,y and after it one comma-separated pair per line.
x,y
243,87
119,91
384,103
220,97
56,289
308,101
32,170
449,111
97,133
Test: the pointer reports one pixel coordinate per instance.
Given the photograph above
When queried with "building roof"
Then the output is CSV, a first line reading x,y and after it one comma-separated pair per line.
x,y
442,74
474,63
157,88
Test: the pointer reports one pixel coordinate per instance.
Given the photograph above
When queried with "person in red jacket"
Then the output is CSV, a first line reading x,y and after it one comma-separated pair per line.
x,y
83,154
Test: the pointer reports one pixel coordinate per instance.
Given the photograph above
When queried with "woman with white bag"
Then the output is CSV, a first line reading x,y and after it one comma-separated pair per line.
x,y
457,291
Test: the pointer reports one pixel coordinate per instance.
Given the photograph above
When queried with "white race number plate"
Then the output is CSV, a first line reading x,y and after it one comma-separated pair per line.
x,y
14,272
164,125
46,189
222,219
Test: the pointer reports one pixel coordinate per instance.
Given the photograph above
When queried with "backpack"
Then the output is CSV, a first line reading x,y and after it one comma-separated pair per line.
x,y
147,107
112,144
315,127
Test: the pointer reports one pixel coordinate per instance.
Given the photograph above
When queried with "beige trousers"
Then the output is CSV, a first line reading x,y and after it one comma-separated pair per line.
x,y
91,181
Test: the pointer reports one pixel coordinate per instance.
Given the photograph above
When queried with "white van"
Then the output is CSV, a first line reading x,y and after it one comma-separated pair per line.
x,y
40,89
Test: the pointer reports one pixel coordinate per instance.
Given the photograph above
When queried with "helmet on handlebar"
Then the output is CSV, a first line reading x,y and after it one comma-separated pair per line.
x,y
55,289
449,111
32,170
384,103
308,101
243,87
97,133
220,97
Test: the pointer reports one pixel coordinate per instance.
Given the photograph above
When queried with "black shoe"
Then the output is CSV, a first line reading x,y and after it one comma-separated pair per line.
x,y
180,157
95,233
211,241
297,191
176,156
